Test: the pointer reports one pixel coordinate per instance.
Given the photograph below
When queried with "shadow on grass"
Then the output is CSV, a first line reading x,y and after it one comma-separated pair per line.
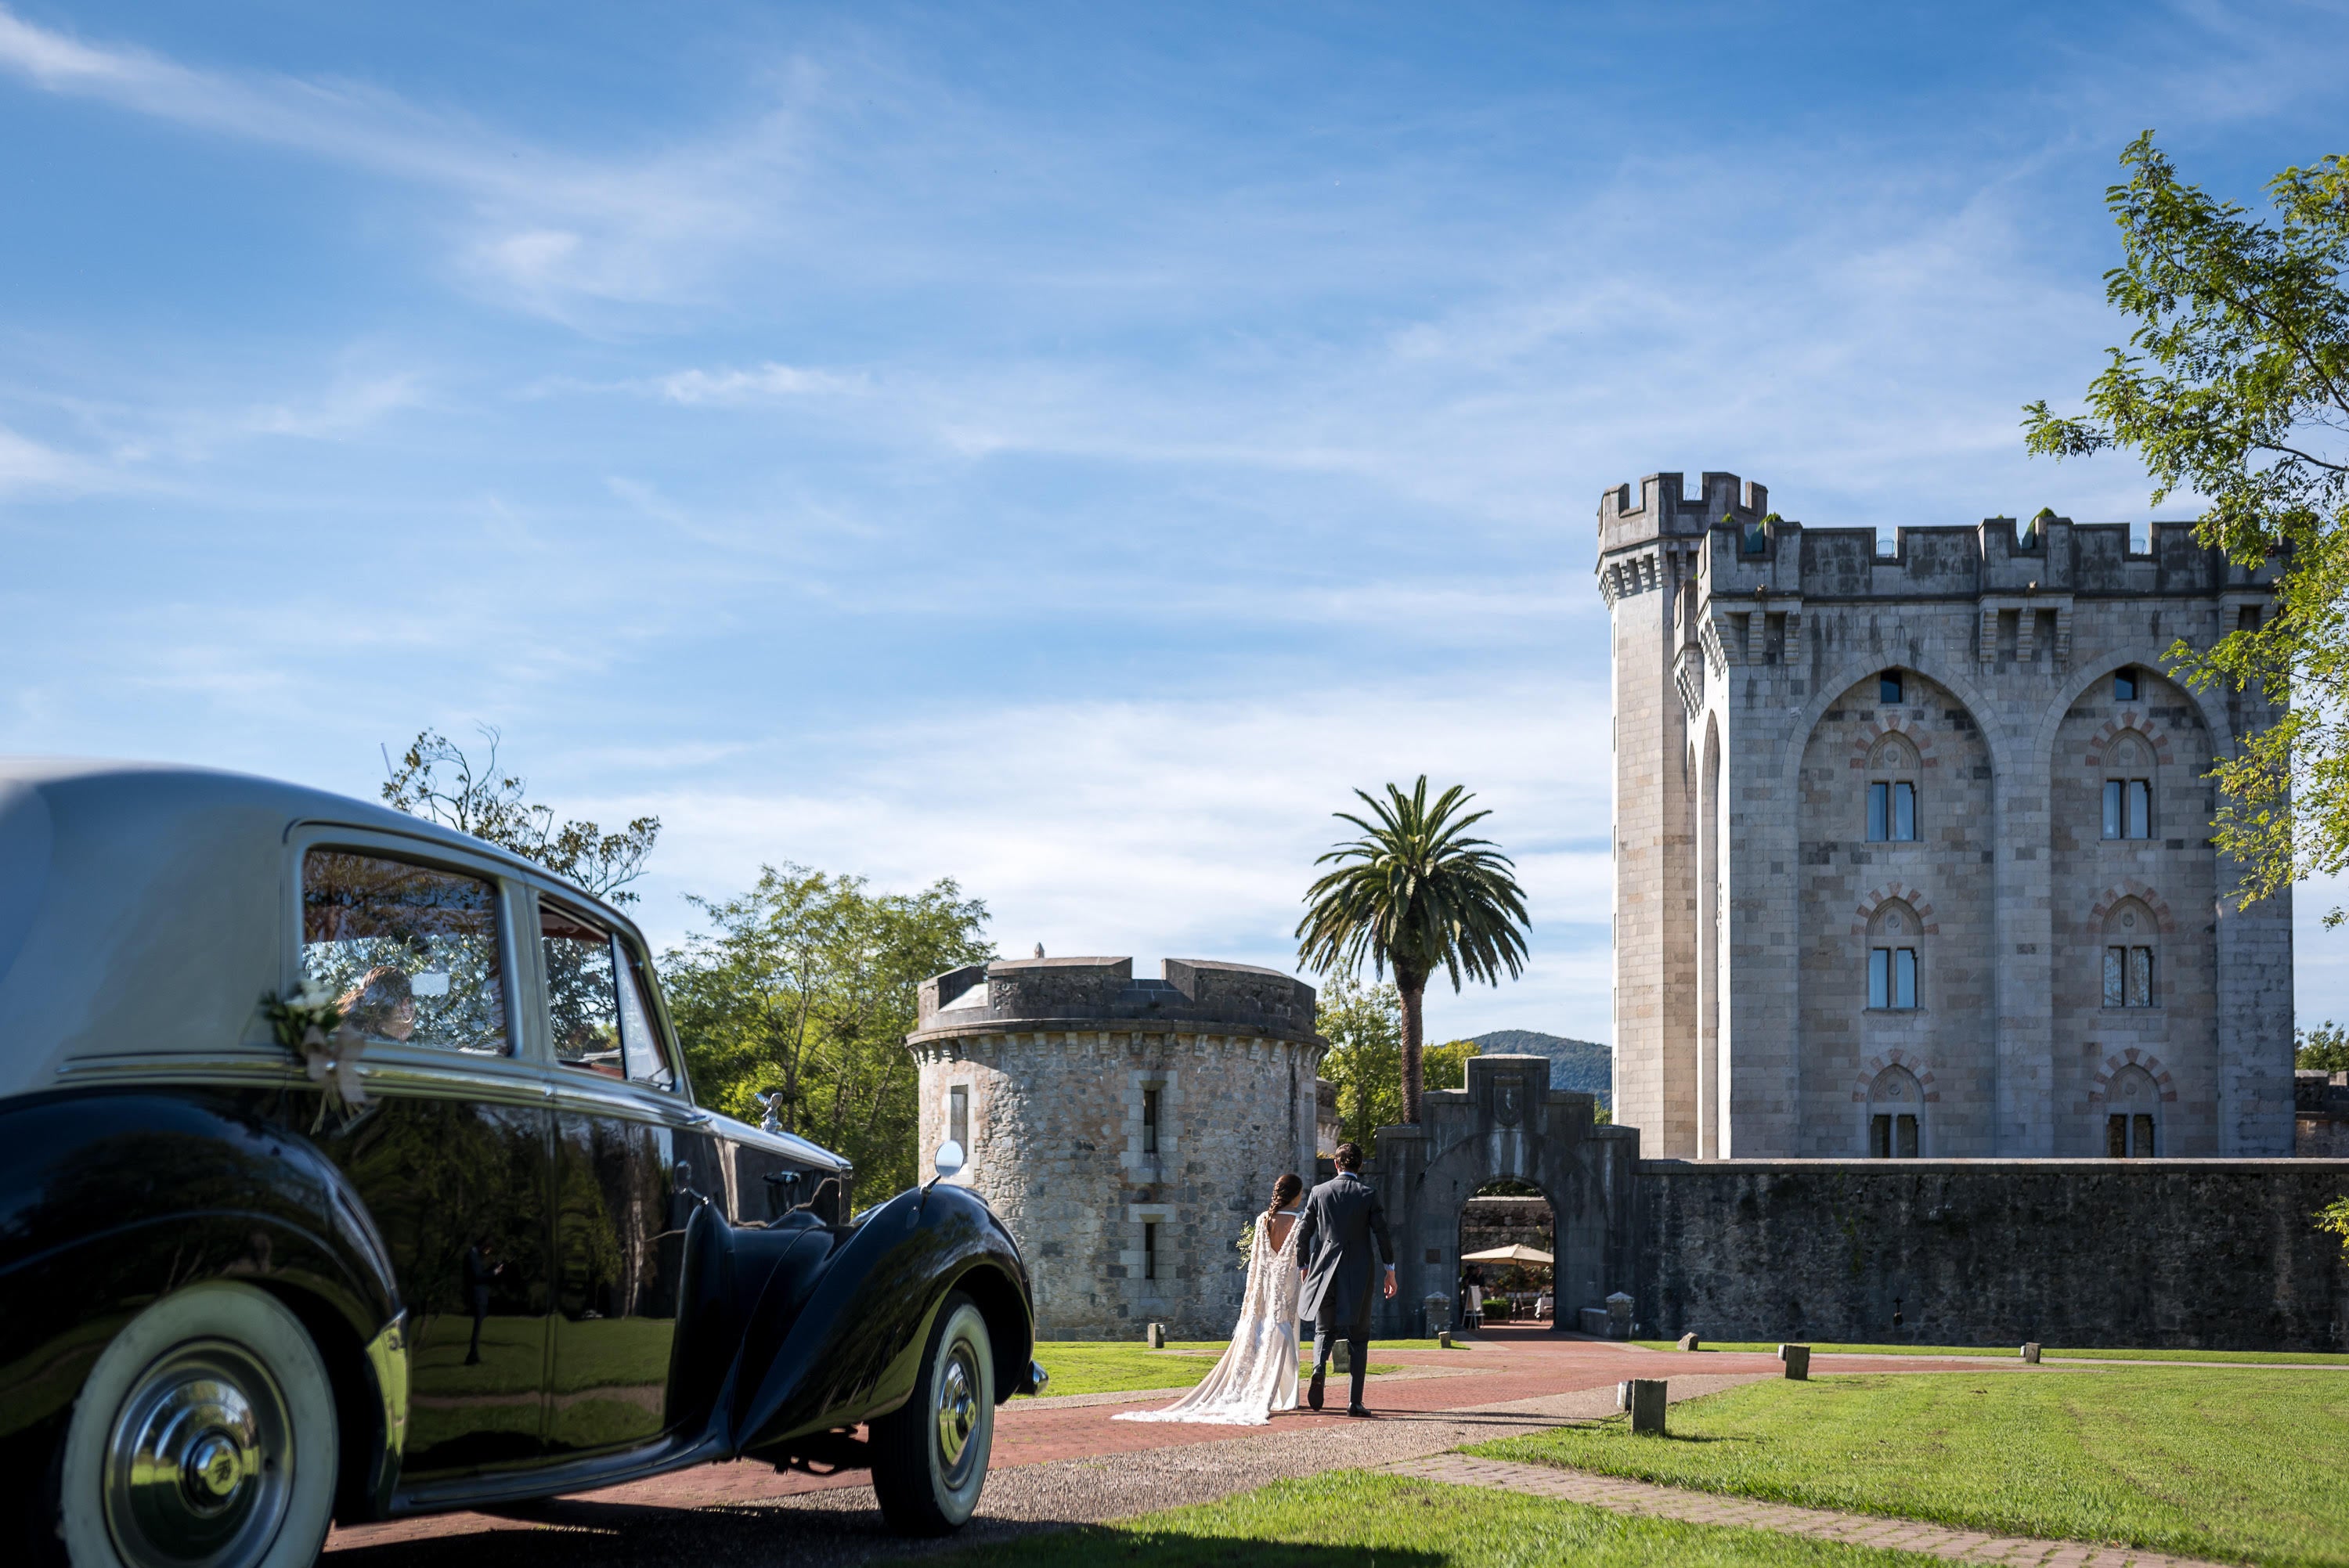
x,y
1087,1546
578,1533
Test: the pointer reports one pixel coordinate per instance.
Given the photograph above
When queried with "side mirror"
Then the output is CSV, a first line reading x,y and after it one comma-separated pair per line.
x,y
949,1160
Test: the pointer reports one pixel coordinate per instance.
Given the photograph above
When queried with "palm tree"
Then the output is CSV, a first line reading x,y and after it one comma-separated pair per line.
x,y
1415,894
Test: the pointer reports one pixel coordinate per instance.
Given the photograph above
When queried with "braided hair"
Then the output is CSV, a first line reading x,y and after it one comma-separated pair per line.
x,y
1284,1191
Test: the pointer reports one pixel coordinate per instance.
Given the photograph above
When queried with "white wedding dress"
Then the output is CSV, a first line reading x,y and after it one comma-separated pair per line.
x,y
1258,1374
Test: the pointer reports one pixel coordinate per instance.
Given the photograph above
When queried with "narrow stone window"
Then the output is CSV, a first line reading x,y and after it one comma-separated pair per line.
x,y
2128,808
1892,769
2010,633
1896,1106
958,1117
1150,1122
2128,800
1888,688
2133,1115
1150,1249
1893,977
1892,812
2124,686
2129,941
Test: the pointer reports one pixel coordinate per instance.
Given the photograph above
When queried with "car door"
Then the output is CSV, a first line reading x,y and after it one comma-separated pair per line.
x,y
632,1163
451,1152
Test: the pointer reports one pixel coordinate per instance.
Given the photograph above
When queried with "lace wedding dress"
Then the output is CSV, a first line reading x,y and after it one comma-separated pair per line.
x,y
1258,1374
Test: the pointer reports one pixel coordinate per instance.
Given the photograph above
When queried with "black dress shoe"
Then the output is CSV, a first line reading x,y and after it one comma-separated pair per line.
x,y
1358,1410
1313,1391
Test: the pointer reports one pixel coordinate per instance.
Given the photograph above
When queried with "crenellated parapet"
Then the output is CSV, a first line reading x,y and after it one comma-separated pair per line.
x,y
1190,995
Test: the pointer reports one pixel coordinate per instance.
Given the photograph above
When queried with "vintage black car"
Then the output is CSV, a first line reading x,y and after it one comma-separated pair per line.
x,y
476,1246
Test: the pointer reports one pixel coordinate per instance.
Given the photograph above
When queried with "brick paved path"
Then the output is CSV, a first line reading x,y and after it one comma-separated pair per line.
x,y
1060,1461
1711,1508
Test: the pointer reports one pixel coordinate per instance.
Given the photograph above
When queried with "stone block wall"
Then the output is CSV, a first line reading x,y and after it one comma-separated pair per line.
x,y
2215,1255
1116,1234
1747,894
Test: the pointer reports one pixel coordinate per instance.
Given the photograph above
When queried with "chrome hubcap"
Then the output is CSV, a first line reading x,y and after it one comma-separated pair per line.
x,y
958,1409
199,1465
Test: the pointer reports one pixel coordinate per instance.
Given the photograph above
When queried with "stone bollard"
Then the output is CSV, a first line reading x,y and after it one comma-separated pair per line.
x,y
1444,1339
2031,1353
1619,1316
1438,1312
1797,1359
1688,1342
1644,1399
1154,1335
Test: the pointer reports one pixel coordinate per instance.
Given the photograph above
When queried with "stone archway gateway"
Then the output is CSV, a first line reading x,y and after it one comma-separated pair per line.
x,y
1507,1123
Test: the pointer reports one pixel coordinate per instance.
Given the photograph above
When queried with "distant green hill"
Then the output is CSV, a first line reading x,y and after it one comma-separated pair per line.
x,y
1581,1065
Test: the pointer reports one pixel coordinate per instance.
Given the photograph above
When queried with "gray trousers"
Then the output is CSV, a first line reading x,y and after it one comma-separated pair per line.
x,y
1327,1332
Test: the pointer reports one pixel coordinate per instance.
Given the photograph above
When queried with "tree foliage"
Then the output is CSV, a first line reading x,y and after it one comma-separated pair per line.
x,y
2323,1049
437,779
2235,387
805,987
1415,894
1364,1024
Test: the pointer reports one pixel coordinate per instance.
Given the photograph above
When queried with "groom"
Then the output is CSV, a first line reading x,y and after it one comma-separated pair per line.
x,y
1333,1249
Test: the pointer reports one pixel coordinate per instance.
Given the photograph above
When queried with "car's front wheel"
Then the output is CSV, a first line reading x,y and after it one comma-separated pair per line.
x,y
929,1456
204,1437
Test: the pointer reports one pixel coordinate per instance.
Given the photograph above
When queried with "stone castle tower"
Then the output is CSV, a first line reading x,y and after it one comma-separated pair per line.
x,y
1127,1131
1912,850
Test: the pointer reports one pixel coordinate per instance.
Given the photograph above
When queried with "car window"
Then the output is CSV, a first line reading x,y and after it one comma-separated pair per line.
x,y
411,952
640,1037
596,1007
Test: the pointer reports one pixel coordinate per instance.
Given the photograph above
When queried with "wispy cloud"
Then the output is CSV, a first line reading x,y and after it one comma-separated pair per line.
x,y
346,407
26,467
546,231
1157,827
732,387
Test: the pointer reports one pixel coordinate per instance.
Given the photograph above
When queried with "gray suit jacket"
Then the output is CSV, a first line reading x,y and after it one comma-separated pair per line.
x,y
1342,1219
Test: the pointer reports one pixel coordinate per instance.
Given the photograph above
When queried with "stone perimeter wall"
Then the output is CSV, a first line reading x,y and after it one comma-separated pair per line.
x,y
2216,1254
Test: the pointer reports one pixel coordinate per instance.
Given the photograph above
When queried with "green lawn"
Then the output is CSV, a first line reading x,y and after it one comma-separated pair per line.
x,y
2010,1352
1112,1366
1350,1519
2230,1464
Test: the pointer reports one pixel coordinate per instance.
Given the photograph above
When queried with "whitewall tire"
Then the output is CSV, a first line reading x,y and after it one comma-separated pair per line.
x,y
929,1456
204,1437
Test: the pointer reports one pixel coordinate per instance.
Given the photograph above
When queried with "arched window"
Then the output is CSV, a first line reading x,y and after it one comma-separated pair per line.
x,y
2132,1115
1892,957
2129,788
1892,773
1896,1110
2131,940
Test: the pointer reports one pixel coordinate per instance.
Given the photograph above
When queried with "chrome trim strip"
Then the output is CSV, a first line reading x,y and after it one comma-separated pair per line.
x,y
592,1095
175,1067
501,1085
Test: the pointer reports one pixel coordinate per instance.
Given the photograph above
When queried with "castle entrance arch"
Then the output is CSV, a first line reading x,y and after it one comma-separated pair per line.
x,y
1507,1125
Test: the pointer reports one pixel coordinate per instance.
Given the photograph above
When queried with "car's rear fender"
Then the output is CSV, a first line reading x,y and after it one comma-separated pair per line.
x,y
111,1200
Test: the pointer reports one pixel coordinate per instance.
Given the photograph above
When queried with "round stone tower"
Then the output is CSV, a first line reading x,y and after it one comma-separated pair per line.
x,y
1127,1131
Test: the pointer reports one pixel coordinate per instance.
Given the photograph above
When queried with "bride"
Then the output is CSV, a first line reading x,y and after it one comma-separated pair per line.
x,y
1258,1374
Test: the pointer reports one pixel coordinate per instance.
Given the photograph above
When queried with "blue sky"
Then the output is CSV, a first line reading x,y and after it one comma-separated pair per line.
x,y
1061,448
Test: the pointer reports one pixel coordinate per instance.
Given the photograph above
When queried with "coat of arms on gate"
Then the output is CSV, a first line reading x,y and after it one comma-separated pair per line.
x,y
1508,1100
